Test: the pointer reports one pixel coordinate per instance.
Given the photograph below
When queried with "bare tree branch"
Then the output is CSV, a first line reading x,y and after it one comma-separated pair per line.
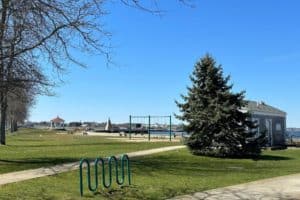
x,y
36,35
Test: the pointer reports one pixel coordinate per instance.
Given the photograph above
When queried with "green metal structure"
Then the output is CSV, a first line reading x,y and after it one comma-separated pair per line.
x,y
99,161
147,121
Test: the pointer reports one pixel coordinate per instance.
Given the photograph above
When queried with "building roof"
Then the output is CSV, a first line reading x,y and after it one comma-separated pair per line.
x,y
57,120
262,107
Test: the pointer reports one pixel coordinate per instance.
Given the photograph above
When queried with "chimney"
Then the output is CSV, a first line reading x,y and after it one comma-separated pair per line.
x,y
260,103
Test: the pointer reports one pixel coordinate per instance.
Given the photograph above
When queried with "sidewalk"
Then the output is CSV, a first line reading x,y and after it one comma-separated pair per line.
x,y
48,171
284,187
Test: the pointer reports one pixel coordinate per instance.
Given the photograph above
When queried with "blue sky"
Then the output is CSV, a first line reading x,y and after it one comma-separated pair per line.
x,y
257,43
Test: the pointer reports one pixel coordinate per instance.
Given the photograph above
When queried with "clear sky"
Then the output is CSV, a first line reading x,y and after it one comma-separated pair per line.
x,y
257,42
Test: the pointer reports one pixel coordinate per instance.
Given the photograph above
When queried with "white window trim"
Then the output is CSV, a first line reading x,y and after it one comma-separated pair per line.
x,y
257,121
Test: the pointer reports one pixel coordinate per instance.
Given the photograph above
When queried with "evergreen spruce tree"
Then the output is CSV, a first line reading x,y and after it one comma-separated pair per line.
x,y
213,117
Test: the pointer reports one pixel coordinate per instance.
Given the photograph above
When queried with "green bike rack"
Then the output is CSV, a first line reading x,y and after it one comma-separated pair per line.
x,y
111,160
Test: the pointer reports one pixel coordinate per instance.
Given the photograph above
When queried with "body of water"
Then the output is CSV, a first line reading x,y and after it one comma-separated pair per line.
x,y
164,132
293,134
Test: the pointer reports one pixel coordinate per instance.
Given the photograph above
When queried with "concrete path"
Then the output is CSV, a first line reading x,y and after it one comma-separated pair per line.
x,y
284,187
48,171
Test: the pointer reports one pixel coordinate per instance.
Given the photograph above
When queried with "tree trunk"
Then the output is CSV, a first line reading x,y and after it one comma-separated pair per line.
x,y
13,126
3,119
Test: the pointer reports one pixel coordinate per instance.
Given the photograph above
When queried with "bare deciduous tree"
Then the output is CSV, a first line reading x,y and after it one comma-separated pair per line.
x,y
19,104
40,35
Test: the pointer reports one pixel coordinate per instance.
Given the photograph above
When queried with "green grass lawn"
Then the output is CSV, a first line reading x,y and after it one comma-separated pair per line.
x,y
164,175
33,148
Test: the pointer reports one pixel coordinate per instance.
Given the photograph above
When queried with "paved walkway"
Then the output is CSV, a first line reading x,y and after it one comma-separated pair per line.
x,y
284,187
48,171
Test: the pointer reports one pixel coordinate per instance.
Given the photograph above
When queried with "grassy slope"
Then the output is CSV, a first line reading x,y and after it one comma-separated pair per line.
x,y
32,148
164,175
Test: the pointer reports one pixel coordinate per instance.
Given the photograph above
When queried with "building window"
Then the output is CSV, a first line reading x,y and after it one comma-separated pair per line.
x,y
278,127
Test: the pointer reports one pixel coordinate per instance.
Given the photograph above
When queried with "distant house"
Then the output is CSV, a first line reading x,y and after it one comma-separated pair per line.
x,y
57,123
269,119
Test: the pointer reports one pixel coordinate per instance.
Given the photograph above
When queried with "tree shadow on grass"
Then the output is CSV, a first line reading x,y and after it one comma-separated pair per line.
x,y
42,161
272,158
67,145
